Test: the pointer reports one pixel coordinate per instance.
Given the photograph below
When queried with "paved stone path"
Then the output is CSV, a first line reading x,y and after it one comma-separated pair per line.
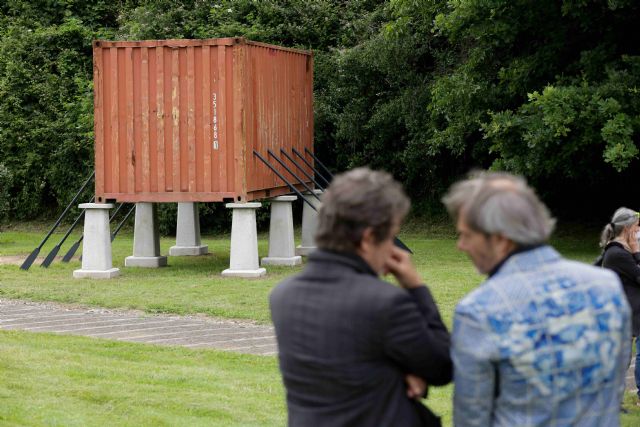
x,y
189,331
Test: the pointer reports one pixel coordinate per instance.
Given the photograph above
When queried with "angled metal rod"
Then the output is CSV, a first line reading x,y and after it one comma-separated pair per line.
x,y
396,241
296,164
309,189
72,250
32,256
126,217
399,243
113,215
306,162
49,259
318,162
279,175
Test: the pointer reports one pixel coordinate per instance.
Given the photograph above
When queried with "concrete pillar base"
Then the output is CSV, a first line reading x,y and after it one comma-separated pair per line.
x,y
281,242
243,259
188,232
304,250
145,261
250,274
294,260
146,238
188,250
96,274
309,225
96,248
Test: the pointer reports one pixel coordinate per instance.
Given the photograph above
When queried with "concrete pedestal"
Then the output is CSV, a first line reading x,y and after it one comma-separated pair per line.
x,y
96,246
309,225
281,245
243,261
188,232
146,238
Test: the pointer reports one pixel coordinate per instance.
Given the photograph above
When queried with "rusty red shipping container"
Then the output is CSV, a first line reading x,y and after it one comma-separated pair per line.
x,y
178,120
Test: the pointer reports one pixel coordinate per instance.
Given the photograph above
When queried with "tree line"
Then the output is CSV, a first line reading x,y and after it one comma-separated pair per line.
x,y
425,89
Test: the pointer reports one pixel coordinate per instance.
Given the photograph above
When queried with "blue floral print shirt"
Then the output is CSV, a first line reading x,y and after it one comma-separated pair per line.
x,y
543,342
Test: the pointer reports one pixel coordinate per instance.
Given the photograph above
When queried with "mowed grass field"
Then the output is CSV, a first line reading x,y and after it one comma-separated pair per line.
x,y
59,380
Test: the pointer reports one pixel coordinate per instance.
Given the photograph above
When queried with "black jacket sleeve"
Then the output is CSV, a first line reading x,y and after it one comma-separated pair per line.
x,y
624,264
416,339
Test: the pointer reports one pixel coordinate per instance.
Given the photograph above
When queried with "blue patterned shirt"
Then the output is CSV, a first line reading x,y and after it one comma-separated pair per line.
x,y
543,342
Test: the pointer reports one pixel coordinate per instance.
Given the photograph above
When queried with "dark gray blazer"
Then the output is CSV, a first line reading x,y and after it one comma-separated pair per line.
x,y
346,339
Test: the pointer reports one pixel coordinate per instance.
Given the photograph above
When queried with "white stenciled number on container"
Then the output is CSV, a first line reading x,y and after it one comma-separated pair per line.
x,y
215,121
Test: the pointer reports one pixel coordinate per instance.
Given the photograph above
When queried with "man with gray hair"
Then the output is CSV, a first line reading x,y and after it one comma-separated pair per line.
x,y
355,350
543,341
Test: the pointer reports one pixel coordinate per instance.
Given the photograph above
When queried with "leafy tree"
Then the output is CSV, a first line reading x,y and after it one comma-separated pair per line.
x,y
378,99
548,88
46,107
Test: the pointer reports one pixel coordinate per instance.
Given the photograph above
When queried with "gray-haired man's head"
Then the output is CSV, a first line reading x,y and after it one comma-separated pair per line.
x,y
496,212
357,200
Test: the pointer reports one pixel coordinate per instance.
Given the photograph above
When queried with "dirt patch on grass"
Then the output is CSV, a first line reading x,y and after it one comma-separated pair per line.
x,y
19,259
16,259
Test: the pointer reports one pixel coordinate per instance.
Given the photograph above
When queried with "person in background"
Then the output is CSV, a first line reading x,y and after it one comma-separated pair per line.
x,y
353,349
544,341
619,241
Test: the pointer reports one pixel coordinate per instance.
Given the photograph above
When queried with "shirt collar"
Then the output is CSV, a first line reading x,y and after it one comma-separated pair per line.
x,y
519,249
614,243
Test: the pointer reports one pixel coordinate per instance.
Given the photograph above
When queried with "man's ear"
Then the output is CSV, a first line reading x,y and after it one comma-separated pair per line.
x,y
368,240
502,244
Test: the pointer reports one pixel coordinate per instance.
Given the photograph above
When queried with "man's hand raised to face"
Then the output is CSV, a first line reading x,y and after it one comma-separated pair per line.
x,y
400,265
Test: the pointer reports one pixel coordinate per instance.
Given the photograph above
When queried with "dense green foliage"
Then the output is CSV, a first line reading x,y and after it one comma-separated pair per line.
x,y
426,89
46,107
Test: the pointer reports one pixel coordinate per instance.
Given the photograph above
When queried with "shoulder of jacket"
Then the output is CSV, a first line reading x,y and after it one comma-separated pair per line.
x,y
476,302
581,267
615,250
285,284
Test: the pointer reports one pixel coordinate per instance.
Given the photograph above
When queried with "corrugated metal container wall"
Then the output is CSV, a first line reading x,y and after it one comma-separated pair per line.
x,y
178,120
280,111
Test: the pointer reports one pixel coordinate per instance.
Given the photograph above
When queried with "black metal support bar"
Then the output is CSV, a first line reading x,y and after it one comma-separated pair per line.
x,y
72,250
279,175
27,262
49,259
126,217
296,164
116,212
399,243
396,241
318,162
306,162
309,189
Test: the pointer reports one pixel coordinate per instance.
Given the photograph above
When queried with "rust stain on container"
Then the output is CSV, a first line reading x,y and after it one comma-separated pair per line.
x,y
178,120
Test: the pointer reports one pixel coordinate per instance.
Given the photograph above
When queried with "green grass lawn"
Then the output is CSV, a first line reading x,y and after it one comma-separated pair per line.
x,y
192,285
52,380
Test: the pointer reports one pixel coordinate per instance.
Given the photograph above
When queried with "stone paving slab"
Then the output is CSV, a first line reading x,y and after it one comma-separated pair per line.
x,y
135,326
